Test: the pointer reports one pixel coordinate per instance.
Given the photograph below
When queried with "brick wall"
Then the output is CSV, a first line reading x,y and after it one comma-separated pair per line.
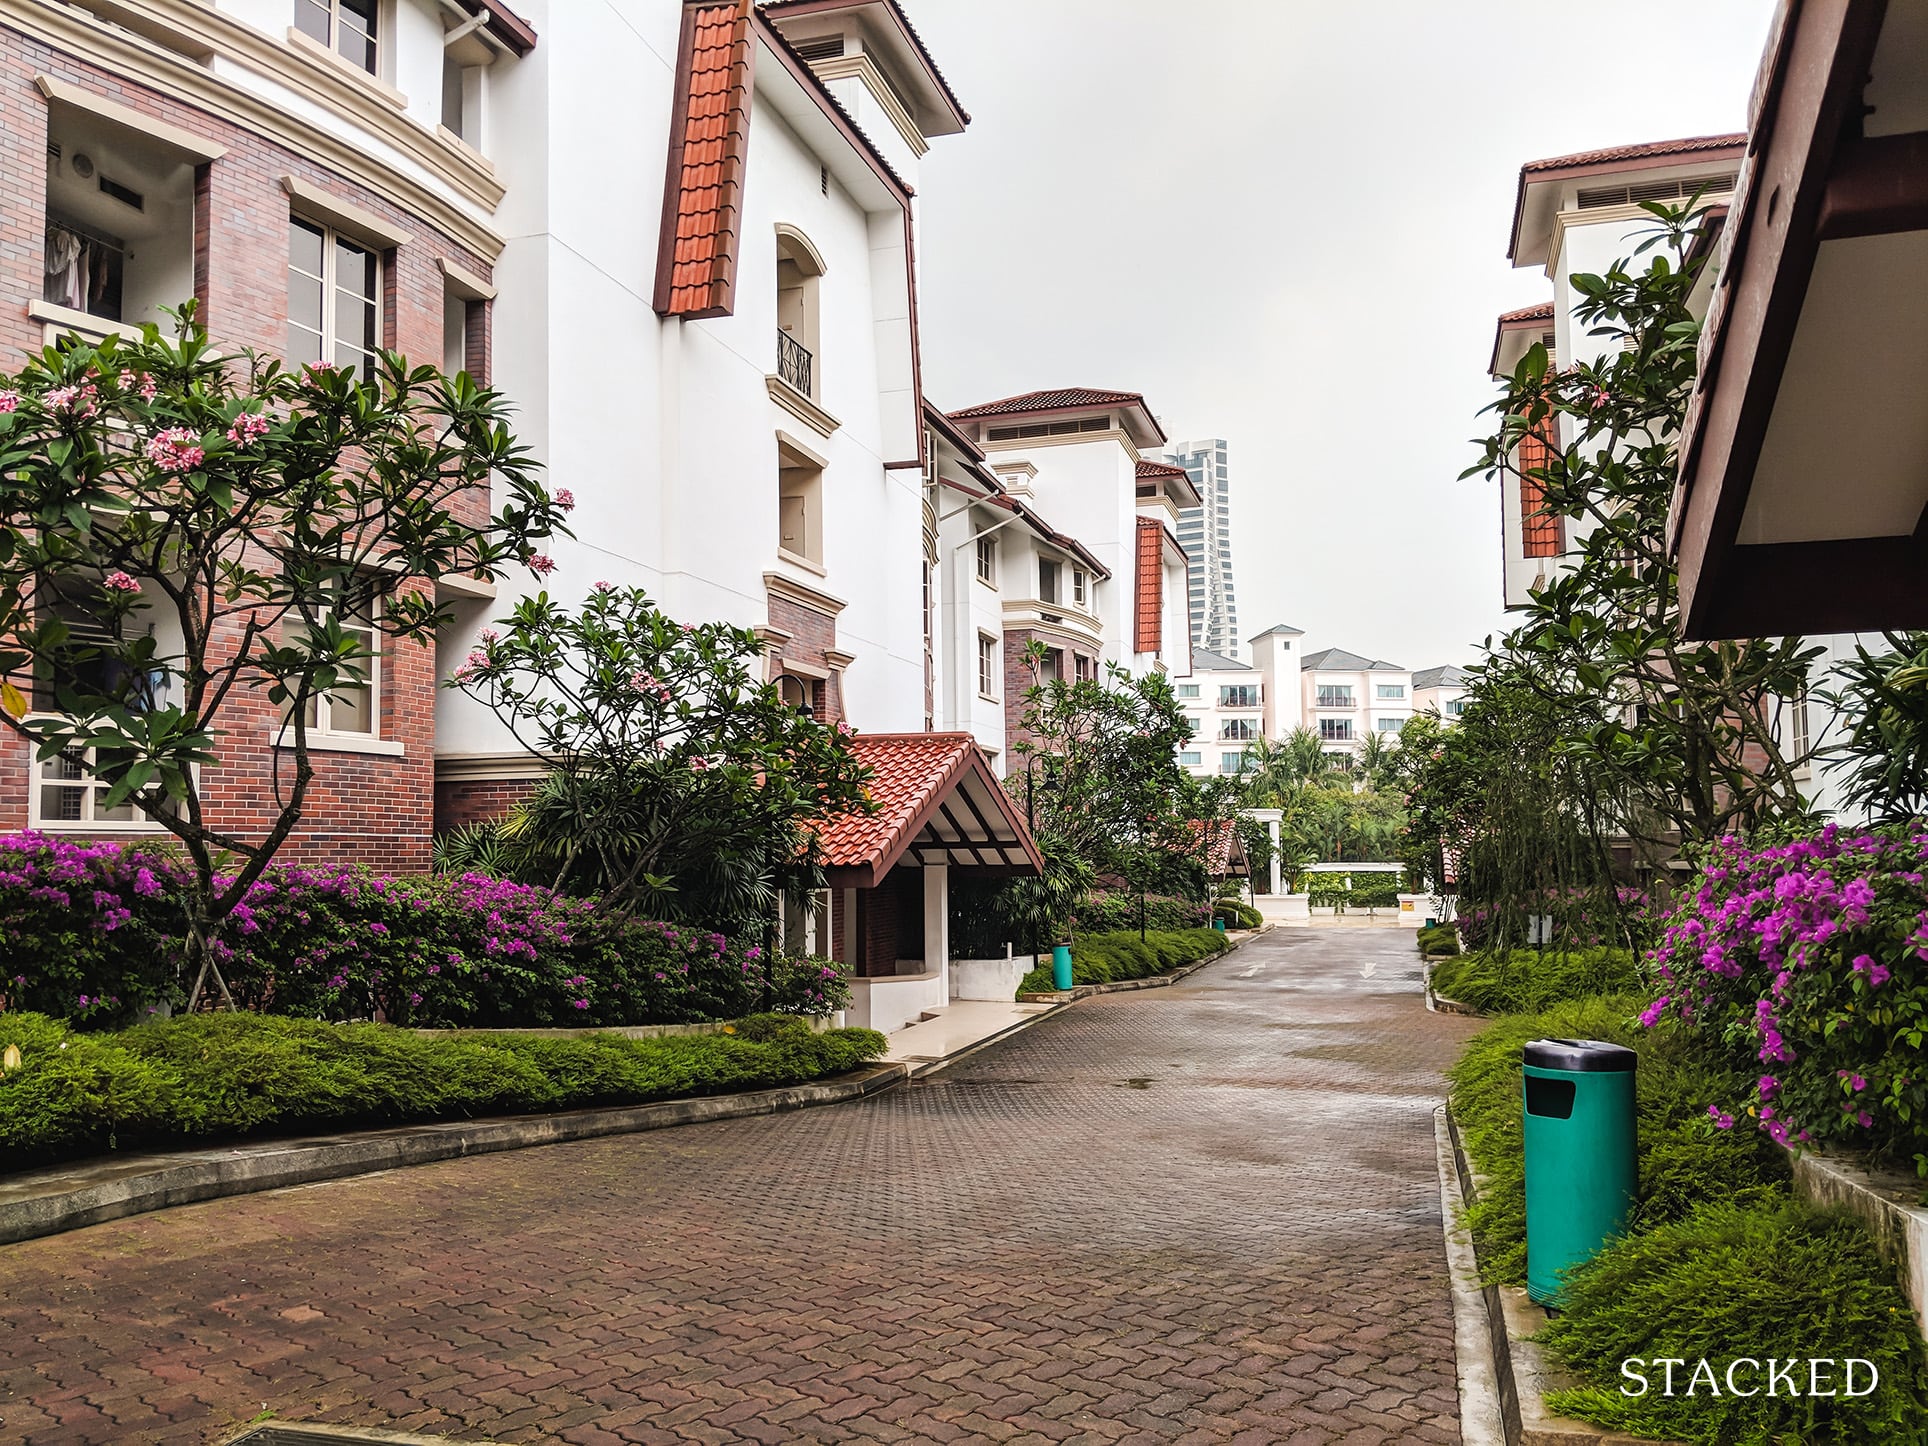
x,y
1018,677
366,808
460,802
813,639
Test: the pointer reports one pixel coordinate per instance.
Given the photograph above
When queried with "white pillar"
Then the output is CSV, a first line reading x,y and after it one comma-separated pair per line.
x,y
937,927
1272,831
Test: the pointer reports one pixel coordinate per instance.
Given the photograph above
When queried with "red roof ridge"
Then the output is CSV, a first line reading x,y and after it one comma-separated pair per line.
x,y
709,140
1687,145
1148,468
1541,311
1050,397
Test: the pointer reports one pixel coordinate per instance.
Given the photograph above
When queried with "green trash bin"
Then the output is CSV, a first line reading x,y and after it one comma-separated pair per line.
x,y
1581,1169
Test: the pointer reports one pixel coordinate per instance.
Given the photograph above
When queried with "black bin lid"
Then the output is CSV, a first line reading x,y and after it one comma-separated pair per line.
x,y
1582,1056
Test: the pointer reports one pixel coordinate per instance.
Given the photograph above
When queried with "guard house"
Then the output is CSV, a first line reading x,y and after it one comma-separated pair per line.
x,y
940,811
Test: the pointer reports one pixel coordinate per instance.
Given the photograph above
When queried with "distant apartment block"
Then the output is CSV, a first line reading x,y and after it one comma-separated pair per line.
x,y
1205,531
1347,696
1233,704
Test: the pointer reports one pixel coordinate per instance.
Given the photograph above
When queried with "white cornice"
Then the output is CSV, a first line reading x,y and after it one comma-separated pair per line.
x,y
803,595
865,70
172,72
801,407
1063,439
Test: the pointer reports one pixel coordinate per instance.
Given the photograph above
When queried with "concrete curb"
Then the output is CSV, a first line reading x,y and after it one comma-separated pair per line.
x,y
1521,1374
1439,1003
182,1177
1482,1412
1155,981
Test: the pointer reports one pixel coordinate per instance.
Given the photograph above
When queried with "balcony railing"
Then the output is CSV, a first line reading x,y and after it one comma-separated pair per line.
x,y
1329,699
793,362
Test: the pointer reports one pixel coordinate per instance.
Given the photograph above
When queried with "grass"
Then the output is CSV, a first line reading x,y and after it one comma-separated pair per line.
x,y
1522,980
1112,958
211,1076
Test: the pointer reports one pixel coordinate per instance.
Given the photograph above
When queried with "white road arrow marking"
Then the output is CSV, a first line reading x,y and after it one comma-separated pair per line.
x,y
1369,971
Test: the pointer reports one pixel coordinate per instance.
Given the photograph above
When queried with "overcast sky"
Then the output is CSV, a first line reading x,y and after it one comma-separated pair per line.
x,y
1285,222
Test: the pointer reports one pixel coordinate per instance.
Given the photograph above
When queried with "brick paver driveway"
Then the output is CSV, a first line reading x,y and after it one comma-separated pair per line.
x,y
1205,1213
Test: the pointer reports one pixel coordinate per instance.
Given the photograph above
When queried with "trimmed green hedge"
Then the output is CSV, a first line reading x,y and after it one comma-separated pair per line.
x,y
230,1074
1111,958
1438,939
1528,979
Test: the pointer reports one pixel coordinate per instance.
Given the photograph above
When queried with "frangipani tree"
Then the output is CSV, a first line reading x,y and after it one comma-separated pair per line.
x,y
679,782
183,531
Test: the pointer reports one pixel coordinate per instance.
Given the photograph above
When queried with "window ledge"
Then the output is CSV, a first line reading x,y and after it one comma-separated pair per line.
x,y
84,323
801,407
339,743
797,559
346,68
987,697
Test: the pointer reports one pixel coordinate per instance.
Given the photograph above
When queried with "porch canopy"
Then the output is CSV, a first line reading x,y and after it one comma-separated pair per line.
x,y
1802,500
937,803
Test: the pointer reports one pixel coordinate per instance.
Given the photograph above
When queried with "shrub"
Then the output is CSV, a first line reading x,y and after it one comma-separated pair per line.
x,y
1325,891
1684,1161
1112,912
92,936
1376,891
90,930
227,1074
1801,965
1522,980
1582,918
1113,958
1438,939
1237,914
1762,1279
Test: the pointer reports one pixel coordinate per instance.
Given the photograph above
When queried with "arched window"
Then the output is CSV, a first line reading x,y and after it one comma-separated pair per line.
x,y
799,271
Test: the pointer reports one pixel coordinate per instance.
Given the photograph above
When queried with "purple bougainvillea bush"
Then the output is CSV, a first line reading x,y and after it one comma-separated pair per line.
x,y
90,933
1807,964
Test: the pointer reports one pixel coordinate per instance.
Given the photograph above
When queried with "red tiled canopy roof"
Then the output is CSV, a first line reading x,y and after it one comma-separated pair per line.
x,y
1219,846
936,798
1690,145
1148,468
1051,401
709,138
1542,312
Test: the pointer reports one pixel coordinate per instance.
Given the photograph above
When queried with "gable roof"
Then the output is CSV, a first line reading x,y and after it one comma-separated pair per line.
x,y
1338,660
1446,676
1204,660
936,797
1284,629
896,22
1528,318
993,495
709,137
1648,155
1073,399
1170,477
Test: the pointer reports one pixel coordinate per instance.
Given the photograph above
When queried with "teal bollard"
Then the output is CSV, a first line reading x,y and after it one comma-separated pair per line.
x,y
1219,924
1061,967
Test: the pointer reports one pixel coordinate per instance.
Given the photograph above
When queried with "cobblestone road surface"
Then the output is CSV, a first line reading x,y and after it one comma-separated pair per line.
x,y
1206,1213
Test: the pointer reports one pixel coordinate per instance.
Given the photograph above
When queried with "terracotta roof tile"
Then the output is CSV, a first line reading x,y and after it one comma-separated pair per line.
x,y
1542,312
709,137
1149,630
911,774
1049,400
1690,145
1149,468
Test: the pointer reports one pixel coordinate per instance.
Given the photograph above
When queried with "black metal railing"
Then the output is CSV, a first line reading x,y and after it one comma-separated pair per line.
x,y
793,362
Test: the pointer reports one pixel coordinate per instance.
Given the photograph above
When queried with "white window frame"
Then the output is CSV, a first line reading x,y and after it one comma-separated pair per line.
x,y
1080,587
322,725
1390,692
987,666
987,561
90,789
1191,758
1223,758
1388,725
330,283
376,45
805,930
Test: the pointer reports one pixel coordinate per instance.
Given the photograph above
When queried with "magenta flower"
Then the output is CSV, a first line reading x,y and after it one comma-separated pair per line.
x,y
565,499
118,581
542,564
246,428
9,401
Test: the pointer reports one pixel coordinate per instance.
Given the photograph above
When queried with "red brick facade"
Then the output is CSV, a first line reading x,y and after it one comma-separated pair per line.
x,y
1018,677
373,808
460,802
803,635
